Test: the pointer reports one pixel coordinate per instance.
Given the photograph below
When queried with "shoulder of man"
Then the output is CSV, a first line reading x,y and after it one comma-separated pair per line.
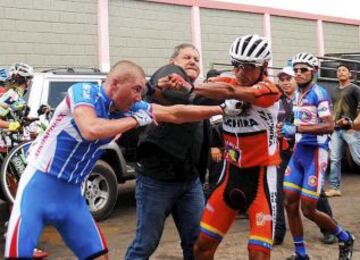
x,y
321,93
82,93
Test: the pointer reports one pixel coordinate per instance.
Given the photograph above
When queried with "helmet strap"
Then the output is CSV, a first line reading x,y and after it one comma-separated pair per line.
x,y
263,73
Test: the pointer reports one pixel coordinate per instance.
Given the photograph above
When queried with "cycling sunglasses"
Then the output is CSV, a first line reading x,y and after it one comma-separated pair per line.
x,y
301,70
245,65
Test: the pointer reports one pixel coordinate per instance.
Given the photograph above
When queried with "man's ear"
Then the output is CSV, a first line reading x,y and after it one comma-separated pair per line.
x,y
172,61
315,70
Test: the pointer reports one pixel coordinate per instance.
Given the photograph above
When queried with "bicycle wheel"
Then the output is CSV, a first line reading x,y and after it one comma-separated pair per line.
x,y
2,195
12,168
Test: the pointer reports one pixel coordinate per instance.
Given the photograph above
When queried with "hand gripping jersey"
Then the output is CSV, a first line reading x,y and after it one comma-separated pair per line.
x,y
250,138
309,108
61,151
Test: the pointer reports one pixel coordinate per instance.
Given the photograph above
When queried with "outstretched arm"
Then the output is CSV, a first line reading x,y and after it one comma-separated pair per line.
x,y
262,94
179,114
92,127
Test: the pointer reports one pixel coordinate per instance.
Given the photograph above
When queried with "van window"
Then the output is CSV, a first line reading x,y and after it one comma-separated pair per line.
x,y
57,91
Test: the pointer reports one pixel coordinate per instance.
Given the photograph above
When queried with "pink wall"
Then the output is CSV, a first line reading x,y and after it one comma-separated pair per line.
x,y
258,9
103,23
103,35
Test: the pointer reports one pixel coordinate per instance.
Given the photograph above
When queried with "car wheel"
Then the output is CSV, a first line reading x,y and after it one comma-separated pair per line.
x,y
100,190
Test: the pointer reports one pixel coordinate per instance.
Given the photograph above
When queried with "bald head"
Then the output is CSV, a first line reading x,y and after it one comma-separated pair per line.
x,y
126,69
125,83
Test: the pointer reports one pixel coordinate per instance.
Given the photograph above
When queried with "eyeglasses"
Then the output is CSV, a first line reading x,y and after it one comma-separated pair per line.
x,y
245,66
301,70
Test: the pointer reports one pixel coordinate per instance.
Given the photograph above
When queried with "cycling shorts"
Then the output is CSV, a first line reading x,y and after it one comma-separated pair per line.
x,y
305,172
252,189
43,199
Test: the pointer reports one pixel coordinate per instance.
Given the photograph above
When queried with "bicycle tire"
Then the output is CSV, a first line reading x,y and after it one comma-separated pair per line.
x,y
2,195
11,172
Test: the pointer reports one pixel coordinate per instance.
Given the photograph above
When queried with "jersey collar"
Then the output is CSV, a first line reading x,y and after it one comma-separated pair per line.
x,y
107,101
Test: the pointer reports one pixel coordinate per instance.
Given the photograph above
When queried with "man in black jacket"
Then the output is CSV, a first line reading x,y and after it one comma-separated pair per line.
x,y
169,158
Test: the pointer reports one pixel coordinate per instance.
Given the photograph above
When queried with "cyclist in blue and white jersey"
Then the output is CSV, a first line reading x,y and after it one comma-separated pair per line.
x,y
61,158
313,122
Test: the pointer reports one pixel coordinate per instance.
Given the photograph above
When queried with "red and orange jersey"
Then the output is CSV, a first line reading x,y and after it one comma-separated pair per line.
x,y
250,138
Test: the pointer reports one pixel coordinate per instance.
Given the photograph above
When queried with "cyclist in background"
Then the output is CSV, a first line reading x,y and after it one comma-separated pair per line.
x,y
288,85
3,78
18,82
40,125
14,84
304,175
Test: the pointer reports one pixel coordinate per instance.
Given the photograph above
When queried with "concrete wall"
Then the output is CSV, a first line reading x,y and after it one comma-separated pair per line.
x,y
146,32
48,33
341,38
53,33
220,28
291,36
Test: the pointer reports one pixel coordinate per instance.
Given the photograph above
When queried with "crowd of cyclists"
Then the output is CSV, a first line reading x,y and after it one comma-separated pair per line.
x,y
173,153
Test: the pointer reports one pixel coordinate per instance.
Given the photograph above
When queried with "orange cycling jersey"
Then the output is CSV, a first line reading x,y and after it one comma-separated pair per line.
x,y
250,137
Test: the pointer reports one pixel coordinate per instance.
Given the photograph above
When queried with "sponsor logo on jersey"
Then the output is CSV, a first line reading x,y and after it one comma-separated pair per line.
x,y
323,109
49,131
305,115
261,219
287,171
232,153
268,118
210,208
240,122
86,91
312,181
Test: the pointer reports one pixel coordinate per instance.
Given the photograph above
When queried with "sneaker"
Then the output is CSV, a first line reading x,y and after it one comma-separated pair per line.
x,y
295,256
39,254
329,239
333,193
346,248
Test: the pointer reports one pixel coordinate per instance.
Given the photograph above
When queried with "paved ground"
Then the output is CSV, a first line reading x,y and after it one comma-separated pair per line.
x,y
120,228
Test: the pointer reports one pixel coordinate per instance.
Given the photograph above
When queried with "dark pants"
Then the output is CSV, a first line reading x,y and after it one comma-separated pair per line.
x,y
155,201
280,227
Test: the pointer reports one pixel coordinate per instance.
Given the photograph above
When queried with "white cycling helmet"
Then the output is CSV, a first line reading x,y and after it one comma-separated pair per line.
x,y
21,69
250,48
305,58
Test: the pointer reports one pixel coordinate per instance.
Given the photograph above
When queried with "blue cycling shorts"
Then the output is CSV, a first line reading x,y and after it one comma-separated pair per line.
x,y
43,199
305,172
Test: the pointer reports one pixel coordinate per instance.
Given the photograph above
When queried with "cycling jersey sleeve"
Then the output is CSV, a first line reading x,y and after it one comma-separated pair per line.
x,y
228,80
266,94
81,94
140,105
323,104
